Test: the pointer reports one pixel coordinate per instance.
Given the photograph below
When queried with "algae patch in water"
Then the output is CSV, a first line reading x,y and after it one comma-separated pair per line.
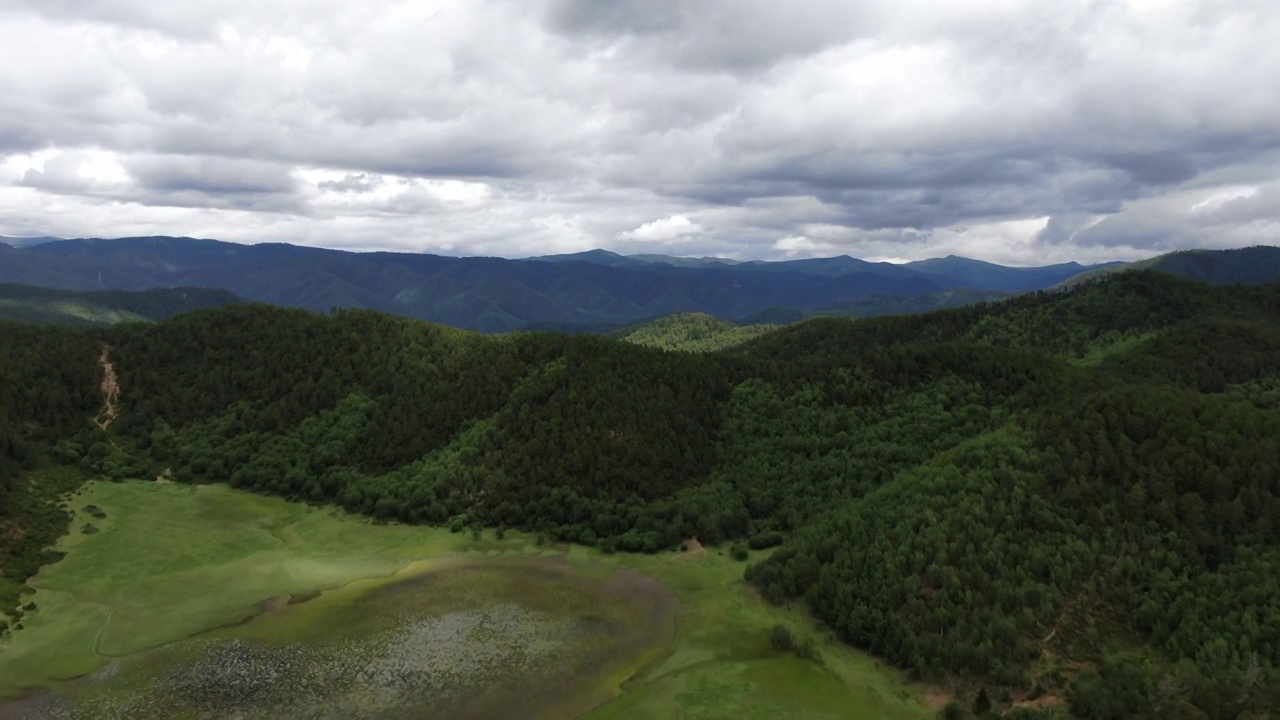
x,y
483,640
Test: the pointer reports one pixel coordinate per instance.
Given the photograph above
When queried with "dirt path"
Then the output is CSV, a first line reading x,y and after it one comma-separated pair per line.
x,y
110,390
1047,700
97,638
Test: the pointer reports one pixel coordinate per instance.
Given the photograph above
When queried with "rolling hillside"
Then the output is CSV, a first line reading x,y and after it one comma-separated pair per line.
x,y
1061,500
24,303
588,291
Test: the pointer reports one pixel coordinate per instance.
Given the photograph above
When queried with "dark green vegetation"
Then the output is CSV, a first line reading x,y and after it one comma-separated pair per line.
x,y
48,306
1060,497
585,292
880,305
700,332
47,390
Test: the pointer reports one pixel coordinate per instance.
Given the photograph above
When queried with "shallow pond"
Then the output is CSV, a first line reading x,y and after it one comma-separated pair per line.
x,y
466,638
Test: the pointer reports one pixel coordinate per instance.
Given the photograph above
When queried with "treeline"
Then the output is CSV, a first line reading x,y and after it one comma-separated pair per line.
x,y
996,496
47,391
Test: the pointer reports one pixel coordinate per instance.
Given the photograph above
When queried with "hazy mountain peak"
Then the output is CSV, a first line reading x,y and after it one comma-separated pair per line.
x,y
590,290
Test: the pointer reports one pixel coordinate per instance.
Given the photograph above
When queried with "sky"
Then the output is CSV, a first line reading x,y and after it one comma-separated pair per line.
x,y
1014,131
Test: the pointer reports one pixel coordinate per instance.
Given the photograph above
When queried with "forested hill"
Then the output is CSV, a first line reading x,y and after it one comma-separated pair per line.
x,y
1065,499
585,291
24,303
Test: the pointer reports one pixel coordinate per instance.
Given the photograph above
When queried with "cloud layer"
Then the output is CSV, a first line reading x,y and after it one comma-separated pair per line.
x,y
1004,130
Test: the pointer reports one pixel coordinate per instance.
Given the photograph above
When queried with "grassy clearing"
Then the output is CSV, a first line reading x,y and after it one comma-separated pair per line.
x,y
721,664
1117,347
170,562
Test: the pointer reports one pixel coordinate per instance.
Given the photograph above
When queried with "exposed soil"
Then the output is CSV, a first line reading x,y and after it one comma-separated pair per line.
x,y
938,699
695,550
110,390
1044,701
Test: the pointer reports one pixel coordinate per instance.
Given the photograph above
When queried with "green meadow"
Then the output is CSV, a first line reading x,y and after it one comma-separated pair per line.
x,y
202,601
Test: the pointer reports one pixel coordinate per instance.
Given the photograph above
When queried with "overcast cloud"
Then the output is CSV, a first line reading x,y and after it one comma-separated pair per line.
x,y
1015,131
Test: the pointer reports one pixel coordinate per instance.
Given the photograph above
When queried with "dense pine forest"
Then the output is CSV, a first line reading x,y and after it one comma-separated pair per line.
x,y
1062,500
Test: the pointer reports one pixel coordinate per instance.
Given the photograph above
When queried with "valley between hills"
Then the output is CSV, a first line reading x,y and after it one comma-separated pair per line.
x,y
1059,504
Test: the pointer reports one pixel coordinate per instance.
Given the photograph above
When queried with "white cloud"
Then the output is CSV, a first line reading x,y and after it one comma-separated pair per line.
x,y
744,128
667,231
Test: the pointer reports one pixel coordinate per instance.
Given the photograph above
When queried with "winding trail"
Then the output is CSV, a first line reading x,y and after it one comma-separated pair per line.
x,y
110,390
97,639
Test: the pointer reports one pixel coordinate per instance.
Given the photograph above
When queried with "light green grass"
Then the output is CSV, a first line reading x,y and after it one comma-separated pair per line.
x,y
173,561
1119,345
721,664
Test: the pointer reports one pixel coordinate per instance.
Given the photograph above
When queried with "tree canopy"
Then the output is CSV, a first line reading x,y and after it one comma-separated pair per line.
x,y
1071,492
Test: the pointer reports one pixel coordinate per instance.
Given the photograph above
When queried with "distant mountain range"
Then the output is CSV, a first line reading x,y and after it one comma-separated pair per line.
x,y
877,305
1255,265
26,241
593,290
949,272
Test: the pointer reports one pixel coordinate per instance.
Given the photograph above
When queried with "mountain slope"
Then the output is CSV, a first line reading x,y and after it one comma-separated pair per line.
x,y
26,241
878,305
1255,265
588,290
975,274
489,294
1061,495
24,303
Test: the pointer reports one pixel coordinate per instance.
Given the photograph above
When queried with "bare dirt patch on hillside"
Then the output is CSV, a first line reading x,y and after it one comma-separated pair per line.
x,y
937,699
694,550
1047,700
110,388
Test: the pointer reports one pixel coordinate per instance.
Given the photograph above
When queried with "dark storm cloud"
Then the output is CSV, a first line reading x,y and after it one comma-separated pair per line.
x,y
738,127
209,175
928,190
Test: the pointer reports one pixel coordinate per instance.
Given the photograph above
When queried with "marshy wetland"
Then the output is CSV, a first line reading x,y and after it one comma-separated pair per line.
x,y
204,602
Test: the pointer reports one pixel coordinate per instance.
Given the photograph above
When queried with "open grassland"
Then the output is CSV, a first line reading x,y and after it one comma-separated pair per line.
x,y
202,601
170,561
721,663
